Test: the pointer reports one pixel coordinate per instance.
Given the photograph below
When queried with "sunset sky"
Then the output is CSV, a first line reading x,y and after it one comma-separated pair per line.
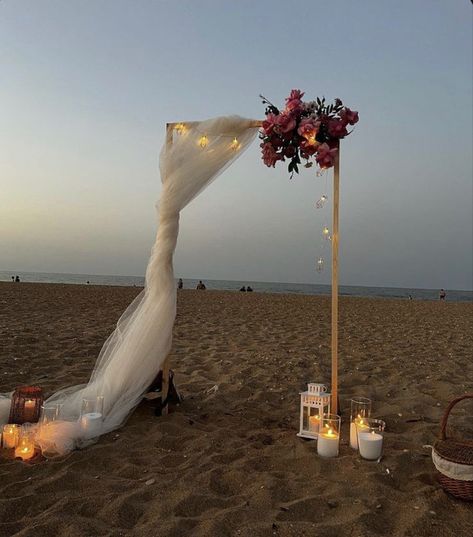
x,y
87,86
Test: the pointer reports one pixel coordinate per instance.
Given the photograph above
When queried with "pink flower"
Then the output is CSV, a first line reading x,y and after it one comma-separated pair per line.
x,y
325,156
294,106
308,128
295,94
337,128
308,147
349,116
268,123
270,157
285,123
294,101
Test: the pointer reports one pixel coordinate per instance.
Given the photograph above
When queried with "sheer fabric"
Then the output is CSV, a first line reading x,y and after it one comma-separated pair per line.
x,y
134,353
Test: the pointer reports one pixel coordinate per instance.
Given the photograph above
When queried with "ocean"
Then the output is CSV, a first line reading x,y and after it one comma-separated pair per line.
x,y
229,285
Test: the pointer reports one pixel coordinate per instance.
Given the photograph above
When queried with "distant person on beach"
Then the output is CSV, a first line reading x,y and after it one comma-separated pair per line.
x,y
243,289
13,278
180,284
88,282
410,297
442,294
17,279
201,286
249,289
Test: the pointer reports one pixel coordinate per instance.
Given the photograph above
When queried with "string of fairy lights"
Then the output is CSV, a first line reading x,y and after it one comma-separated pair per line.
x,y
326,236
203,141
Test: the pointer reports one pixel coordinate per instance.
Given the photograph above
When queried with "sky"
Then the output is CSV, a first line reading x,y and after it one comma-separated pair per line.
x,y
87,86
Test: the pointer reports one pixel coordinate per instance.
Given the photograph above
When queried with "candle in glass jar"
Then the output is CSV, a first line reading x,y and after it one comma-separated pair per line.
x,y
360,423
327,443
370,445
25,449
10,435
91,424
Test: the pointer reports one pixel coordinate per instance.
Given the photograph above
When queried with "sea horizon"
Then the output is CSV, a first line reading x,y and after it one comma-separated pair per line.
x,y
453,295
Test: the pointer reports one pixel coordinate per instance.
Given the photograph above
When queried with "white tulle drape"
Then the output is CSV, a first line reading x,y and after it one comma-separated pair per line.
x,y
134,353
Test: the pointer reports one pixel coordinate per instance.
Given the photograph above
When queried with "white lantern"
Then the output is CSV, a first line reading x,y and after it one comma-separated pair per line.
x,y
315,402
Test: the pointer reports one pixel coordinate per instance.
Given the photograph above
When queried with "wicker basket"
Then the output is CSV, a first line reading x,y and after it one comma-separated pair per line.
x,y
453,459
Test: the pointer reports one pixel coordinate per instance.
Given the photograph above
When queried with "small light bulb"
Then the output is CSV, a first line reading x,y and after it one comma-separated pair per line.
x,y
180,128
326,231
203,141
235,145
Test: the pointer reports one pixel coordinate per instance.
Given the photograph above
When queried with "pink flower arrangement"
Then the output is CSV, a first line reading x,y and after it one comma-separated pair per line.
x,y
308,130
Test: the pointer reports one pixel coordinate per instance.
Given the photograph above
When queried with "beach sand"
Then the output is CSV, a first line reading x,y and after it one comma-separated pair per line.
x,y
227,461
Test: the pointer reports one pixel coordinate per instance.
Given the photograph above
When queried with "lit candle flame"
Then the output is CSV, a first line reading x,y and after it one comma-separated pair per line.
x,y
203,141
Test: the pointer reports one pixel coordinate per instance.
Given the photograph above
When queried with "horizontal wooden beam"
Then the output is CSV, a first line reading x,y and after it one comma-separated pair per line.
x,y
256,123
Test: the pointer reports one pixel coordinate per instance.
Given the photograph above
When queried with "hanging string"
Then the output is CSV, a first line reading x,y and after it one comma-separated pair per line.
x,y
325,234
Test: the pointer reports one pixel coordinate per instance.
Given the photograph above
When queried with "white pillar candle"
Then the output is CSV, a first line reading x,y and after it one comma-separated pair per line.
x,y
91,424
314,424
371,445
357,422
29,410
327,444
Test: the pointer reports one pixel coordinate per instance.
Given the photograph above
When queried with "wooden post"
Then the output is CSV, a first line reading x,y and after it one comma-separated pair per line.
x,y
335,236
167,362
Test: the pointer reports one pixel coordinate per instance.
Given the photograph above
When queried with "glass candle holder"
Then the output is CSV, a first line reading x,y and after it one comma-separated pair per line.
x,y
329,436
370,438
11,433
26,447
91,416
49,413
360,409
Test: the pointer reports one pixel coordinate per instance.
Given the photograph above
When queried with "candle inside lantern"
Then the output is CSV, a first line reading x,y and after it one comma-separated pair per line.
x,y
314,423
10,435
29,410
359,423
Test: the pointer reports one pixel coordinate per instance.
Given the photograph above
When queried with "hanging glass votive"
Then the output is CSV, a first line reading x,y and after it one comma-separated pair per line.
x,y
321,201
